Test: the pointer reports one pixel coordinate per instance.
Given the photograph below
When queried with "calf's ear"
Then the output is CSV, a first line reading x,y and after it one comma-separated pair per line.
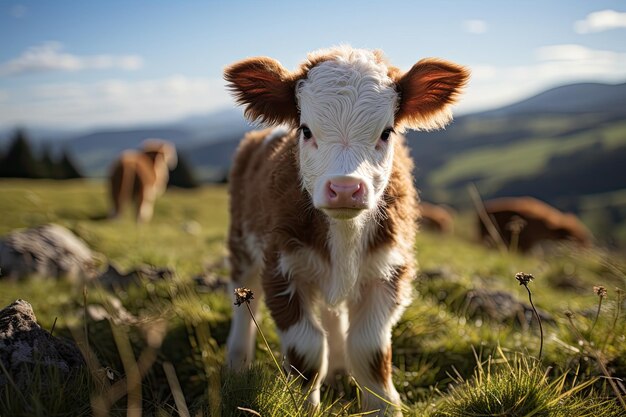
x,y
266,90
427,91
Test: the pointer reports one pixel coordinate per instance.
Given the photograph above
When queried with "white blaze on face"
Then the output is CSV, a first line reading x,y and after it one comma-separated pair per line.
x,y
346,103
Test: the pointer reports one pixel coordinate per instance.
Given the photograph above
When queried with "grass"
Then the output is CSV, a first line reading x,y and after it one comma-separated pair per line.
x,y
449,359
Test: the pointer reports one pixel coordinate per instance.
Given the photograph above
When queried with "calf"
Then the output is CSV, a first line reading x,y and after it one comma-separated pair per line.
x,y
435,218
323,214
142,176
529,221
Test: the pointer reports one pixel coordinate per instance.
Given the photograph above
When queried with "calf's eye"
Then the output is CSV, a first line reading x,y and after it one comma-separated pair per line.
x,y
306,132
386,134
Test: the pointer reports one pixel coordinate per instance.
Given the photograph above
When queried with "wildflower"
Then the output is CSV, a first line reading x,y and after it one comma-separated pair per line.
x,y
516,225
601,293
243,295
599,290
523,278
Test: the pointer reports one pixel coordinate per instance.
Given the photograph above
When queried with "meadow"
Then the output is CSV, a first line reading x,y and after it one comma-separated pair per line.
x,y
467,346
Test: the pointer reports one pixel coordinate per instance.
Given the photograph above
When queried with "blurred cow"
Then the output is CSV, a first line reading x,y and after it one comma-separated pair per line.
x,y
142,176
528,221
435,218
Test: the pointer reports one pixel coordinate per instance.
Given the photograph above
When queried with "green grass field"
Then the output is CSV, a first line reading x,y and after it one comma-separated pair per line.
x,y
456,353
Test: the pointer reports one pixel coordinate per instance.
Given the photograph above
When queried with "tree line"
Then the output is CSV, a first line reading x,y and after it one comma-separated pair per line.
x,y
19,161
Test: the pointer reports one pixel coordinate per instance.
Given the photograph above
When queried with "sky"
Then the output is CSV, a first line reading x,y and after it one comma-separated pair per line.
x,y
86,64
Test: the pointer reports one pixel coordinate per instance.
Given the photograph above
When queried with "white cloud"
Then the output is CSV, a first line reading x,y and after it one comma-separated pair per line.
x,y
50,57
114,102
491,87
601,21
121,102
475,26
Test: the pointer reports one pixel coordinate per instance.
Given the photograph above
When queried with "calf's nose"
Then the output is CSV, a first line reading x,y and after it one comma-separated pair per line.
x,y
345,192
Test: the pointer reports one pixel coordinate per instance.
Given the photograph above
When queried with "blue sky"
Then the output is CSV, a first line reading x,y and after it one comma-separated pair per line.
x,y
78,64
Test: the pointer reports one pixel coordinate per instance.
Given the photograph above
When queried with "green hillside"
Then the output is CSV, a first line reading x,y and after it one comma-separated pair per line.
x,y
468,345
565,160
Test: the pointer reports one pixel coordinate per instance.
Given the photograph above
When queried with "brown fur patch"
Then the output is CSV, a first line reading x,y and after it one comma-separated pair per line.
x,y
285,308
399,212
381,365
427,90
265,88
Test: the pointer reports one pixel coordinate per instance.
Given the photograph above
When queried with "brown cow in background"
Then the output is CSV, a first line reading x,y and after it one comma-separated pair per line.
x,y
142,176
523,222
435,218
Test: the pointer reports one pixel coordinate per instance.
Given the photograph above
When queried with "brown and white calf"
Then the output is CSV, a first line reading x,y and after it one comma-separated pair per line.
x,y
141,176
323,217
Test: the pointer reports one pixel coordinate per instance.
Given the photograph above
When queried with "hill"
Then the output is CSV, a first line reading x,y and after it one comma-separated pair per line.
x,y
580,98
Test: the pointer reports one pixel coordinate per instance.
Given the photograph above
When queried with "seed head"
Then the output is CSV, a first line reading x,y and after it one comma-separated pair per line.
x,y
569,314
516,225
599,290
243,295
524,278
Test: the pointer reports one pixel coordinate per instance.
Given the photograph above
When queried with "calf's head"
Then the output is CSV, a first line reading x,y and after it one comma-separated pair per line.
x,y
348,105
157,149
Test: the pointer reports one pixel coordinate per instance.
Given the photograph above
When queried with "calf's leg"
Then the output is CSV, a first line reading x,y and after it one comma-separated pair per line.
x,y
369,345
246,272
303,341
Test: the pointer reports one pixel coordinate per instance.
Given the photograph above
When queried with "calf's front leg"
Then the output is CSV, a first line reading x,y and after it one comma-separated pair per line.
x,y
302,338
369,340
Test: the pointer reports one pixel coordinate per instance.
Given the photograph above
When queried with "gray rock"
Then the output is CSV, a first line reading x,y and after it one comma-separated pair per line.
x,y
113,278
24,346
502,307
47,251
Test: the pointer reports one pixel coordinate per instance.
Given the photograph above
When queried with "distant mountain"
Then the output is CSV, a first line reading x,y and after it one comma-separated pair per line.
x,y
96,150
215,126
569,99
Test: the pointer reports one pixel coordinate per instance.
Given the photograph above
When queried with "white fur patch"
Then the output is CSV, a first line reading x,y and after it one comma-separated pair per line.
x,y
349,269
347,102
277,132
308,340
254,246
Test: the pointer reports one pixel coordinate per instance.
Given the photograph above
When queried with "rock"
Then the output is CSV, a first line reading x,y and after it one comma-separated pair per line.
x,y
501,306
47,251
24,346
114,278
208,282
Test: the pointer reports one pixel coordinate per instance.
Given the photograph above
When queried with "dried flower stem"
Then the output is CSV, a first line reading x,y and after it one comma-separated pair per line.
x,y
618,312
524,279
599,358
243,296
595,320
485,219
